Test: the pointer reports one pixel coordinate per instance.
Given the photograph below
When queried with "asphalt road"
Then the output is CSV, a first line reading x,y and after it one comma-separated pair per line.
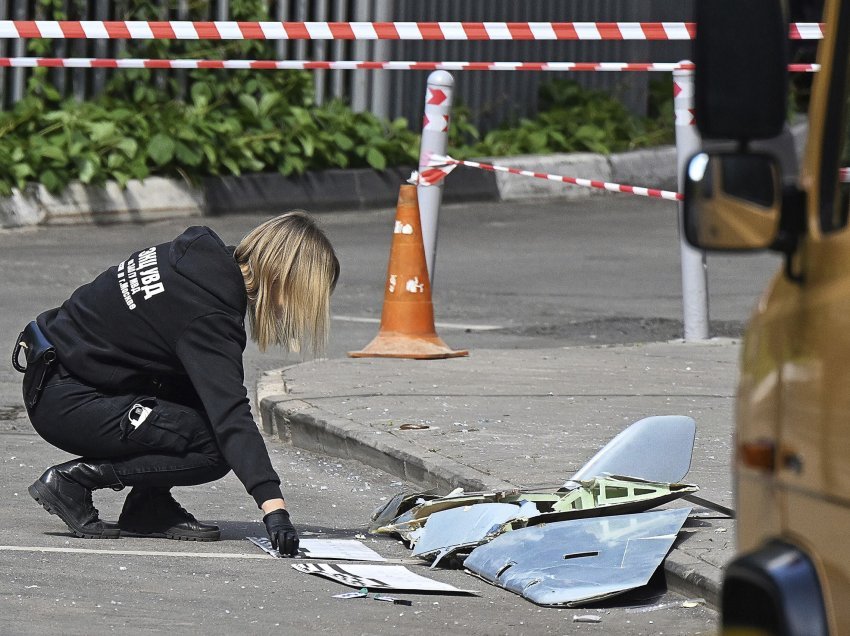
x,y
602,270
154,586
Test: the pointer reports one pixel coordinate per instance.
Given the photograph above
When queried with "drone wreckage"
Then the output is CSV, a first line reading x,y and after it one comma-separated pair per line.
x,y
595,537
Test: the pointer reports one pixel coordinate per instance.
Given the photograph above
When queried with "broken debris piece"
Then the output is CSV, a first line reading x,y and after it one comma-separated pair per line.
x,y
579,561
364,593
378,577
657,448
587,618
655,452
691,602
450,531
347,549
608,495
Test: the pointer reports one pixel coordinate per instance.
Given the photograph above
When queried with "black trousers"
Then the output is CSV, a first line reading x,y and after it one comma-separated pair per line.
x,y
173,446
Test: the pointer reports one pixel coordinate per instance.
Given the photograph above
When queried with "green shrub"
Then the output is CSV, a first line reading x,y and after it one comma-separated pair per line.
x,y
204,122
239,122
574,119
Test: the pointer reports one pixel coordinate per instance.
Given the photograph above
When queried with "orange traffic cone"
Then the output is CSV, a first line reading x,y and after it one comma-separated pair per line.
x,y
407,320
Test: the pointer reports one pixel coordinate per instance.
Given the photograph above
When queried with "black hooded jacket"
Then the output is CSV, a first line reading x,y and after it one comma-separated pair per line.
x,y
173,310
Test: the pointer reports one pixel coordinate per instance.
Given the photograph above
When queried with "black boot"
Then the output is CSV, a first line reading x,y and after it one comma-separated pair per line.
x,y
65,491
153,512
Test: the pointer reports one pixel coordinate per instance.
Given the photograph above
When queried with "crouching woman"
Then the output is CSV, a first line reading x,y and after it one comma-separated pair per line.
x,y
139,373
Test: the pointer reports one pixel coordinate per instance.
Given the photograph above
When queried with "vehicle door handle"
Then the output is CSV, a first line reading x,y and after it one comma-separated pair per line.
x,y
791,460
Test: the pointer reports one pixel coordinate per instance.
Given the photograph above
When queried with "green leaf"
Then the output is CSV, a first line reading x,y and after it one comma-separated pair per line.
x,y
307,145
161,149
139,93
139,170
342,141
128,146
115,160
21,171
267,102
250,104
537,140
119,114
376,159
588,133
292,165
87,170
51,181
302,116
210,154
76,148
201,94
101,130
51,93
231,165
57,115
121,177
254,165
188,156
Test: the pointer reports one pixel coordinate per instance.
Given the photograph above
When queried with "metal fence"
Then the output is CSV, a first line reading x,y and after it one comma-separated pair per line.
x,y
492,96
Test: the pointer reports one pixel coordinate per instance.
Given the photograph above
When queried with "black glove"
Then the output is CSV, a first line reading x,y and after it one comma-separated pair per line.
x,y
281,532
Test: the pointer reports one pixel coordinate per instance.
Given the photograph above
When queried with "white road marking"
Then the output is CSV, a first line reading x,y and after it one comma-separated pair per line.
x,y
154,553
200,555
439,325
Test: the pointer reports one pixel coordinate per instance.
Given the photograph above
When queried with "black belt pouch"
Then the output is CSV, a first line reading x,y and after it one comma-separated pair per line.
x,y
40,355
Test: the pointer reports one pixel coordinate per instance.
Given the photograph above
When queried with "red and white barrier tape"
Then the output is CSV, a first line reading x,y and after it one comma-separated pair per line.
x,y
337,64
184,30
346,65
439,166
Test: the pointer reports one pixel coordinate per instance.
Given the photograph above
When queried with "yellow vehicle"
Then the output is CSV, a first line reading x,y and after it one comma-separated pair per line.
x,y
792,465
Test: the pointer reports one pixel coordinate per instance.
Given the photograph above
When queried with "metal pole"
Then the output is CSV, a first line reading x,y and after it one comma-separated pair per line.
x,y
301,15
282,13
222,10
435,140
183,76
4,98
381,79
19,10
320,49
337,77
694,265
101,48
360,79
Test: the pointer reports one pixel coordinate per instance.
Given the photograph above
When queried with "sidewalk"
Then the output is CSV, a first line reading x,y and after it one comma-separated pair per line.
x,y
508,418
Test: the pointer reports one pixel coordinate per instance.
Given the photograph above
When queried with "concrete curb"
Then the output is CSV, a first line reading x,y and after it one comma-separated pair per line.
x,y
305,426
652,167
359,189
301,424
158,198
153,199
693,578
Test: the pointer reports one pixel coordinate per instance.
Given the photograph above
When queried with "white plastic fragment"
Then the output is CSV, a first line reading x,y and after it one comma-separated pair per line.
x,y
587,618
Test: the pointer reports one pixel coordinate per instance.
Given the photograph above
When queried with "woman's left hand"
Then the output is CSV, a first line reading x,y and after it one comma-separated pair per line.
x,y
282,533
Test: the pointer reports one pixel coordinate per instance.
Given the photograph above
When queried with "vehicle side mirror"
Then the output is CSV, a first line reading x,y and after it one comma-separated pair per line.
x,y
733,201
741,76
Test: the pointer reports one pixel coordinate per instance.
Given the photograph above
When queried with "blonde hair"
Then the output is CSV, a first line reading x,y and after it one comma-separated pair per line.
x,y
290,270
